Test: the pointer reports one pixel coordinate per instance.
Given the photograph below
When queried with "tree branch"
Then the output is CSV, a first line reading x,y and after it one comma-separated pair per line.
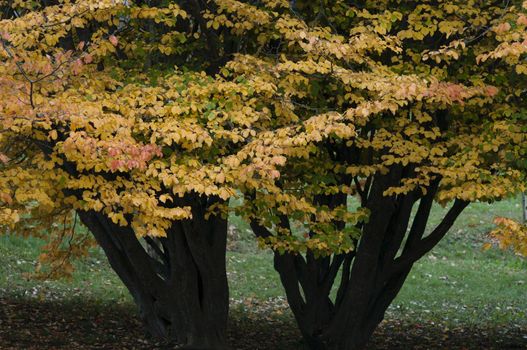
x,y
426,244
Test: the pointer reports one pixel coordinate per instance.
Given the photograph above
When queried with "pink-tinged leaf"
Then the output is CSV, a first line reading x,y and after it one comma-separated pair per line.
x,y
47,69
134,151
3,158
116,164
502,28
88,59
492,91
132,164
522,20
76,66
113,39
113,152
80,46
6,198
275,174
412,89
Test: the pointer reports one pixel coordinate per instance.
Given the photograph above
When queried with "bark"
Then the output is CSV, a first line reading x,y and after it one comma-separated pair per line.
x,y
371,277
181,287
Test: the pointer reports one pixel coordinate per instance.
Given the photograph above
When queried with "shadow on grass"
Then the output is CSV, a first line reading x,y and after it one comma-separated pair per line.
x,y
31,324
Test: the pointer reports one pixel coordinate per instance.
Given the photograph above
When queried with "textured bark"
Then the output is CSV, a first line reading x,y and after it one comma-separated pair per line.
x,y
180,287
371,276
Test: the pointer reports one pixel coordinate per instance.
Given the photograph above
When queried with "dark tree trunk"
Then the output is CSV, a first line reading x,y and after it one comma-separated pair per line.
x,y
371,276
179,283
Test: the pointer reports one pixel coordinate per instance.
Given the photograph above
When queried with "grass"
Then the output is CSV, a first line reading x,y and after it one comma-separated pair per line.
x,y
457,285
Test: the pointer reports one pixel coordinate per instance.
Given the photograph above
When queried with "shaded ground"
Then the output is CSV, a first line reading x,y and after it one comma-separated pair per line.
x,y
30,324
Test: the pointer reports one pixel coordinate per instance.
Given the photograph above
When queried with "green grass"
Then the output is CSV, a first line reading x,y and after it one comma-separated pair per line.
x,y
93,279
458,284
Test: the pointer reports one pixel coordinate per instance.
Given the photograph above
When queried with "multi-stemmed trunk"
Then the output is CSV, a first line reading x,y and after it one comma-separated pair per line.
x,y
179,282
370,277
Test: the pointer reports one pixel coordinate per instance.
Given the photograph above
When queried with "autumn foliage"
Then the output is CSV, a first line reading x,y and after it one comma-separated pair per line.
x,y
332,120
510,235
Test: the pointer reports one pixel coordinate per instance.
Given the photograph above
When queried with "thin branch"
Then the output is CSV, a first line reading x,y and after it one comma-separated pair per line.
x,y
21,70
68,252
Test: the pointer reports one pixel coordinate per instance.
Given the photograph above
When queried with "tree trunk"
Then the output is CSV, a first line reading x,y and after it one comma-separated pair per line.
x,y
371,276
181,286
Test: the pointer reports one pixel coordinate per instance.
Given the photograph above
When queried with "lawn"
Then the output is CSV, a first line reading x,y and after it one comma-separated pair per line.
x,y
457,297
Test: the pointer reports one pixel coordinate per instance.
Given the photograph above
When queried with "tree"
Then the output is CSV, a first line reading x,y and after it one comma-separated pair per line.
x,y
436,116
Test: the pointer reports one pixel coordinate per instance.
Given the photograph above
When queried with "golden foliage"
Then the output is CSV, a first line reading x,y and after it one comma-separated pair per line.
x,y
510,234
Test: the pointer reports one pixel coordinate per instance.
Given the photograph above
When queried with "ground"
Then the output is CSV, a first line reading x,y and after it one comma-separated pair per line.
x,y
457,297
